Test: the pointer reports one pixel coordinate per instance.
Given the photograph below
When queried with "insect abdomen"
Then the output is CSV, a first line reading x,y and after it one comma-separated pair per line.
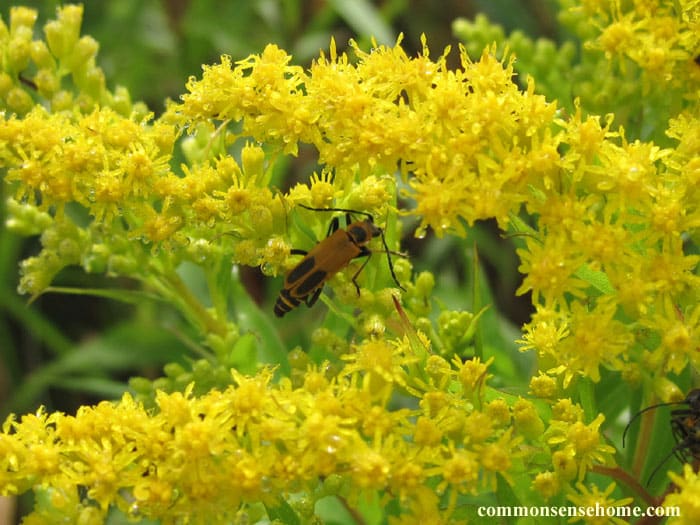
x,y
285,303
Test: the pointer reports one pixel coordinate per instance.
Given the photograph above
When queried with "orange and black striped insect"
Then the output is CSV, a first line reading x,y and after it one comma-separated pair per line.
x,y
305,281
685,426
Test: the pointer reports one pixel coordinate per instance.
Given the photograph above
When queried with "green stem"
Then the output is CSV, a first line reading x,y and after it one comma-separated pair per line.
x,y
171,286
646,428
476,306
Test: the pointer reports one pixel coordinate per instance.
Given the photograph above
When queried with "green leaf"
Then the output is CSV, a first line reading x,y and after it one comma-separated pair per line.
x,y
587,397
365,19
126,296
597,279
243,356
97,386
282,512
249,317
127,346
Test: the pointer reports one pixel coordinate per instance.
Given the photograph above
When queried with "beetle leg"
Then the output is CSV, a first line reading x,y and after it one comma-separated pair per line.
x,y
296,251
388,259
333,226
364,252
311,299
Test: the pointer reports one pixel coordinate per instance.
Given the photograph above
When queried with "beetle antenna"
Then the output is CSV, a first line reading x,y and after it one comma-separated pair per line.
x,y
675,449
652,407
343,210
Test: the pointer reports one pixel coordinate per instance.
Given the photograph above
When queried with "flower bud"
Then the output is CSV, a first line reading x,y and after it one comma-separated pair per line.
x,y
47,82
22,18
41,55
18,54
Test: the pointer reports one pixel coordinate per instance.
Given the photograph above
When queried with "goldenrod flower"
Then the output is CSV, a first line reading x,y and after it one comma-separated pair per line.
x,y
582,444
601,503
687,498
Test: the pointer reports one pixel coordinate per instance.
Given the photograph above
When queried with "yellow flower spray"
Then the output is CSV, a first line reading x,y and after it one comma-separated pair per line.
x,y
400,411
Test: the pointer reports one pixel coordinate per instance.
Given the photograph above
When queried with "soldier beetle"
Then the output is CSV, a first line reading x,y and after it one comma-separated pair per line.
x,y
305,281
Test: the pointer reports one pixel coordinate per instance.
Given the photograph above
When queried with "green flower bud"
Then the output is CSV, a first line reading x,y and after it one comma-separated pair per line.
x,y
437,368
298,359
26,219
56,39
423,324
122,265
453,328
18,54
37,273
373,326
69,249
333,484
62,34
41,55
667,391
527,419
181,382
261,220
62,101
121,101
304,506
96,261
425,282
141,386
201,369
47,82
19,101
253,161
85,103
22,17
6,83
92,81
173,370
163,383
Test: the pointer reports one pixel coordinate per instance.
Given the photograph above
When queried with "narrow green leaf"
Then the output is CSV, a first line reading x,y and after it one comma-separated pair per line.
x,y
365,19
126,296
34,323
587,398
98,386
125,347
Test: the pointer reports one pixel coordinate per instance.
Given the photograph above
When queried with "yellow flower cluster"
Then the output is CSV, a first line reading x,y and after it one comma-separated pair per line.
x,y
610,247
215,457
662,37
452,130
